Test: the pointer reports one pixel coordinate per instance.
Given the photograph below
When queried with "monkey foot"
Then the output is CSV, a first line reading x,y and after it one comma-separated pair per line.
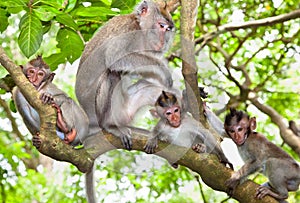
x,y
199,148
70,136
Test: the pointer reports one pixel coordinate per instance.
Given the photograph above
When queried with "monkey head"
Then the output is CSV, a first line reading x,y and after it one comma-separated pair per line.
x,y
238,125
37,72
158,24
168,107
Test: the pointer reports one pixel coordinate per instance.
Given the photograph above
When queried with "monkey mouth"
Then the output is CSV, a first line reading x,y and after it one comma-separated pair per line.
x,y
175,124
240,141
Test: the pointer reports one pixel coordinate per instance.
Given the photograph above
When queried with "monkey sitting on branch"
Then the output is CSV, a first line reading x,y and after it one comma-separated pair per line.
x,y
177,127
72,122
258,153
131,46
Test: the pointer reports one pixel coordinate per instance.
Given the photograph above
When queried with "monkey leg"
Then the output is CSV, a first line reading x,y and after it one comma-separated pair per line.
x,y
199,148
61,124
36,140
70,136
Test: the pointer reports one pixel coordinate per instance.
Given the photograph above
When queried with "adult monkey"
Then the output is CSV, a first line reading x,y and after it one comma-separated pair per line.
x,y
129,45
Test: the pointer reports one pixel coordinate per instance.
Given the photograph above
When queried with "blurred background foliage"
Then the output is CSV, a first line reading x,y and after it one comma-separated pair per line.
x,y
263,61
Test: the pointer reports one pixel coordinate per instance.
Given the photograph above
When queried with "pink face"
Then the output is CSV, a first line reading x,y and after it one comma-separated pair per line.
x,y
172,114
239,132
35,75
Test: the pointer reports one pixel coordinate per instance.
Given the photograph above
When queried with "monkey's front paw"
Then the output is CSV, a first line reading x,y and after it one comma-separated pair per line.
x,y
150,146
46,98
261,192
199,148
36,140
126,141
232,183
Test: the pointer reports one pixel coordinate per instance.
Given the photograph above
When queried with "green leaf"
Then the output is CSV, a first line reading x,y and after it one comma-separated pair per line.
x,y
123,4
67,20
45,13
55,59
70,43
14,6
3,20
94,11
31,34
12,106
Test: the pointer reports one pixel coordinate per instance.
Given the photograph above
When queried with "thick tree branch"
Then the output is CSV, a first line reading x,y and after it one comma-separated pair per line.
x,y
212,172
189,10
287,135
250,24
51,146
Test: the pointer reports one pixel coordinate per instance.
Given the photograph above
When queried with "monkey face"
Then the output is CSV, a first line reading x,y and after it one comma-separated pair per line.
x,y
35,75
173,117
239,131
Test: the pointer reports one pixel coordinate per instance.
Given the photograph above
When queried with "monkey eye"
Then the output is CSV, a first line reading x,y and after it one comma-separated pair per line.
x,y
176,110
231,131
30,71
165,26
41,74
168,113
240,129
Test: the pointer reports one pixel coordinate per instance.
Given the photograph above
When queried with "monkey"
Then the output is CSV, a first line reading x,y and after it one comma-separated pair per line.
x,y
179,128
72,122
259,153
128,47
294,128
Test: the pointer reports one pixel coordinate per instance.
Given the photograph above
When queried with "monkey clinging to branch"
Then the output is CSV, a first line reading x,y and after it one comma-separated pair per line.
x,y
72,122
177,127
259,153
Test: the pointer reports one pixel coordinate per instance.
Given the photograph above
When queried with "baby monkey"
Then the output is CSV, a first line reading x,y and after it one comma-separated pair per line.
x,y
177,127
258,153
72,122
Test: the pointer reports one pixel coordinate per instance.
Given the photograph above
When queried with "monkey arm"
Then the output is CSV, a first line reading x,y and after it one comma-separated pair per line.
x,y
248,168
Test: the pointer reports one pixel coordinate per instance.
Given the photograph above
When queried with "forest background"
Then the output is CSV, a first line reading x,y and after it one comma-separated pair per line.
x,y
247,55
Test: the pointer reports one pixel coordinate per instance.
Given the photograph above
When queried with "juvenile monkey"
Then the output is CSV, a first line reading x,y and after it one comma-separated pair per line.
x,y
72,122
177,127
129,47
259,153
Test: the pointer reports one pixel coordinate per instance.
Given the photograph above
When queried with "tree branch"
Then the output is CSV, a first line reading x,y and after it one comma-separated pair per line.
x,y
212,172
189,10
250,24
287,135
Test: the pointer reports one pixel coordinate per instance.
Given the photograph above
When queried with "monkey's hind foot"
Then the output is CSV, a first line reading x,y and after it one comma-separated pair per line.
x,y
70,136
199,148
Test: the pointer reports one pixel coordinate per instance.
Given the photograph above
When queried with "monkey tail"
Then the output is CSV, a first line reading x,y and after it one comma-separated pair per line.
x,y
89,186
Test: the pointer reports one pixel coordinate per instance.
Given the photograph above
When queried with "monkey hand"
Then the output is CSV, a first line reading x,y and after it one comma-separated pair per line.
x,y
36,140
199,148
232,182
46,98
126,141
150,146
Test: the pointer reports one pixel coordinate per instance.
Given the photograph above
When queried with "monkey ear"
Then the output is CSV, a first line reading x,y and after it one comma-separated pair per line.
x,y
154,113
143,8
252,123
21,67
51,76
